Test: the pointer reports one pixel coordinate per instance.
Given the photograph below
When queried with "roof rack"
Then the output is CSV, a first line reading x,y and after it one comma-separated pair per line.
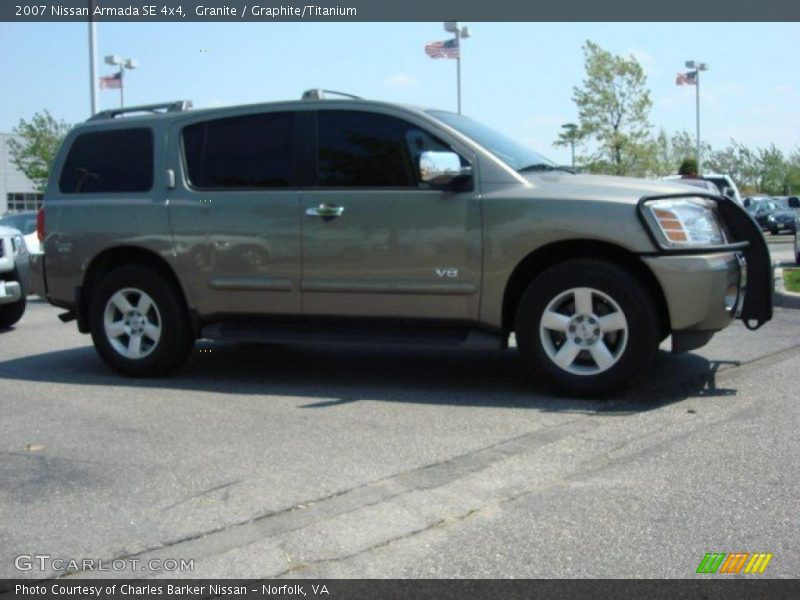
x,y
317,94
167,107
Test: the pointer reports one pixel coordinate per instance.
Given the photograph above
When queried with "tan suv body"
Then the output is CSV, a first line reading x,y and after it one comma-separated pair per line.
x,y
351,220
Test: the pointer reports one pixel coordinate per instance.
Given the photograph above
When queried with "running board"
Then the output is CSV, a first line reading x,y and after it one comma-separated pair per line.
x,y
371,334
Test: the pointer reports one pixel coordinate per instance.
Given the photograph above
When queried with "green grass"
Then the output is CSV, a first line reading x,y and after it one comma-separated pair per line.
x,y
791,280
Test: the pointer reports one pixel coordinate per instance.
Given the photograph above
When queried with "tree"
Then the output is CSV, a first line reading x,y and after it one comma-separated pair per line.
x,y
571,136
773,171
688,167
613,108
35,147
793,172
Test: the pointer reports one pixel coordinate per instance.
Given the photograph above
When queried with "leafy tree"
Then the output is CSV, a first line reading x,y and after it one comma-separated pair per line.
x,y
613,108
688,166
35,146
570,136
772,170
793,173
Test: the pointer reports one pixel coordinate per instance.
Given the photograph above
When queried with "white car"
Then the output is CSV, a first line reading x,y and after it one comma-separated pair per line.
x,y
722,183
13,276
26,223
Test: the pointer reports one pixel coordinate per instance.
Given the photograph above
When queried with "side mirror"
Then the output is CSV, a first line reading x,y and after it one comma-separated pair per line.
x,y
728,191
441,168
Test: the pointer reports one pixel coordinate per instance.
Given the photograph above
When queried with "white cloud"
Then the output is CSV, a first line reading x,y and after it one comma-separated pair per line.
x,y
400,80
212,103
647,60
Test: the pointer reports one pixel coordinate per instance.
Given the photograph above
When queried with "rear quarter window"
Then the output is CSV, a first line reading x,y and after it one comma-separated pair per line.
x,y
113,161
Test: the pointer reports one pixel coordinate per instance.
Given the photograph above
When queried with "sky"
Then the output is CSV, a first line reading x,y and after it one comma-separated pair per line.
x,y
516,77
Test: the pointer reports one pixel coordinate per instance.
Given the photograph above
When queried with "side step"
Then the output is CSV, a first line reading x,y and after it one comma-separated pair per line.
x,y
364,333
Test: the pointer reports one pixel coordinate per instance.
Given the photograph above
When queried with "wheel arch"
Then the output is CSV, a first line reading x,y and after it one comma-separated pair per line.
x,y
115,257
552,254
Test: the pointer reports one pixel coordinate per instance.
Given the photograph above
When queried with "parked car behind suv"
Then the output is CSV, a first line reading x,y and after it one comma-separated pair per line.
x,y
13,276
26,223
351,220
761,209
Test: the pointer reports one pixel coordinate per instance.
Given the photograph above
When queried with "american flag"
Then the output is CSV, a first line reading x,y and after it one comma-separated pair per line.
x,y
446,49
689,78
112,82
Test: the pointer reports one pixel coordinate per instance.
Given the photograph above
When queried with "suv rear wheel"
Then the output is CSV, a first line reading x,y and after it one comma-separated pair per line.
x,y
587,327
139,325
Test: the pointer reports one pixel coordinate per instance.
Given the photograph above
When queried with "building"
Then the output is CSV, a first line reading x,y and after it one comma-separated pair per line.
x,y
17,192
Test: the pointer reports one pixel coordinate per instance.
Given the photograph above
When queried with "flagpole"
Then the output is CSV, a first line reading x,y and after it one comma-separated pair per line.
x,y
458,68
459,33
121,86
92,59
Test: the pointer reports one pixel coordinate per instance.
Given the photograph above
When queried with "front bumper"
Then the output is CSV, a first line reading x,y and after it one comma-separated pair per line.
x,y
704,293
711,269
13,273
10,292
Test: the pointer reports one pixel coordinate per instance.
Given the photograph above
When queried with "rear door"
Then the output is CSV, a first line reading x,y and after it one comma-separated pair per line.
x,y
376,241
234,213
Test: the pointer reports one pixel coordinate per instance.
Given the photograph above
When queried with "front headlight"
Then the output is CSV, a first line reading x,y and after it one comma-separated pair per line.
x,y
18,244
771,218
687,222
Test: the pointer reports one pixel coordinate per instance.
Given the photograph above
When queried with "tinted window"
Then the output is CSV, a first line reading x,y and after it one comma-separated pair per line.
x,y
362,149
254,151
119,160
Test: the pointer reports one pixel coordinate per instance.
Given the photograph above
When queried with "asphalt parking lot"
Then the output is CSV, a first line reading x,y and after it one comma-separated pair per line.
x,y
357,462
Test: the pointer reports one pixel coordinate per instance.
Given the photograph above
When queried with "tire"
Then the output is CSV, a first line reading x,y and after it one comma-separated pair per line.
x,y
601,362
773,231
11,313
139,302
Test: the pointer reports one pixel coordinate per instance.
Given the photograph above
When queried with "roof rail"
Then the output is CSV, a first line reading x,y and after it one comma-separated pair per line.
x,y
317,94
177,106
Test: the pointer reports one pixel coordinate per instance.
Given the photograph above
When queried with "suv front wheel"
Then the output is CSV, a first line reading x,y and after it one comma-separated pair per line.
x,y
139,325
587,327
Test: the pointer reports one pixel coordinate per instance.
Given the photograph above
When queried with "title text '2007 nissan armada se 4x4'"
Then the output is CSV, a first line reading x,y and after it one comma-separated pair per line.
x,y
351,220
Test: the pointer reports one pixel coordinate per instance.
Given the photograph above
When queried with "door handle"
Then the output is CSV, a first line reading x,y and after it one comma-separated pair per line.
x,y
326,211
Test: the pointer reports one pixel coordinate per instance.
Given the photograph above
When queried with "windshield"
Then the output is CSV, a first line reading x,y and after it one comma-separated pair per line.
x,y
25,223
515,155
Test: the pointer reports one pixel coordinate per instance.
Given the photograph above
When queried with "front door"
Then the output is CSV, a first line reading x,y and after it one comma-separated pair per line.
x,y
376,241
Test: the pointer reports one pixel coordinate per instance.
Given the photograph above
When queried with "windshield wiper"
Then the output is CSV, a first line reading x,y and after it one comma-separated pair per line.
x,y
543,167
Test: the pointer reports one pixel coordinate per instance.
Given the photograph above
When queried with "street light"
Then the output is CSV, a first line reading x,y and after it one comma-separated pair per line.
x,y
697,66
122,63
460,33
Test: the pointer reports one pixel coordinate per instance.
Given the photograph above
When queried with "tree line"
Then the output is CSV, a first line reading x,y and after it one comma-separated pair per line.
x,y
615,135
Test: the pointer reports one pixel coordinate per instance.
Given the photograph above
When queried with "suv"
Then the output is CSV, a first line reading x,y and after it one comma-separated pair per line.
x,y
349,220
13,276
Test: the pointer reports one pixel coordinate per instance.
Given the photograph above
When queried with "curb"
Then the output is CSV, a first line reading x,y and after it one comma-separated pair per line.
x,y
782,298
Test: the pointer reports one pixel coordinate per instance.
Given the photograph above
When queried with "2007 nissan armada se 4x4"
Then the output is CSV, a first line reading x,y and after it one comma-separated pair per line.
x,y
351,220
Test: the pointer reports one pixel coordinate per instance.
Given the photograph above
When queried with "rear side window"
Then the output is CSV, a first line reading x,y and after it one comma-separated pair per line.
x,y
363,149
253,151
118,160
